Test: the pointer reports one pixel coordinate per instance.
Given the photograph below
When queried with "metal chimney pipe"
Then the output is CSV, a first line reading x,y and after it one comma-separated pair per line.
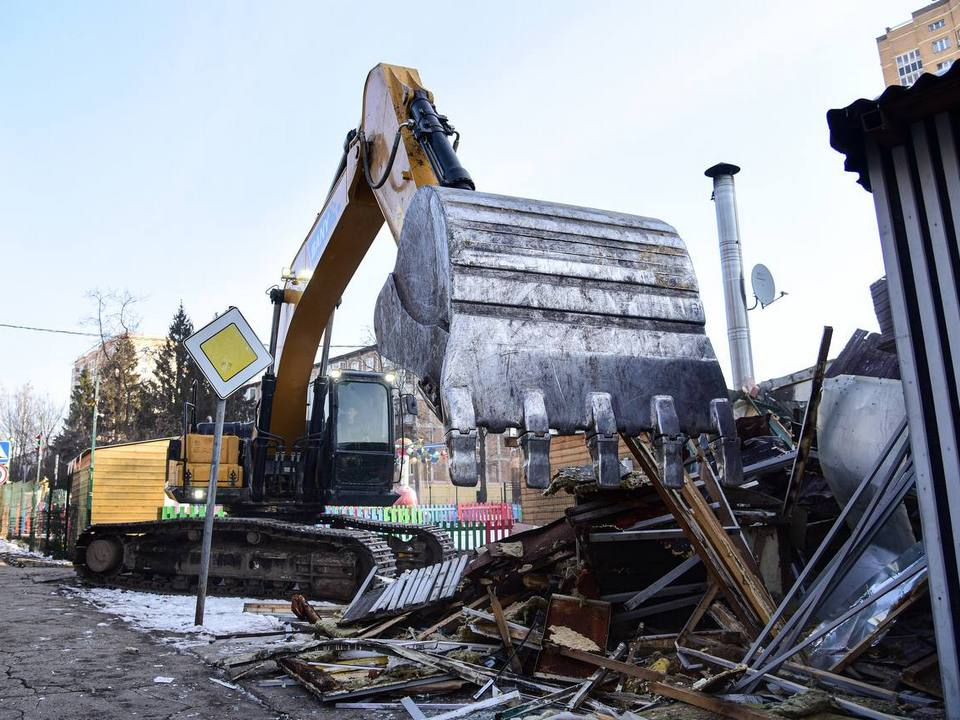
x,y
731,264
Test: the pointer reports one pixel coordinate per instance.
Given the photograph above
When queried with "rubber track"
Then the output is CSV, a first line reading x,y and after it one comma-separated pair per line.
x,y
437,538
375,546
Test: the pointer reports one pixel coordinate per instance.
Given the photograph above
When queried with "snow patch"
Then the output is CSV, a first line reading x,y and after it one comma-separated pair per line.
x,y
14,548
175,613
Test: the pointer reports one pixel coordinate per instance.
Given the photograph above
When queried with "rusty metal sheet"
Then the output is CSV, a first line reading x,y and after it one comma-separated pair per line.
x,y
590,618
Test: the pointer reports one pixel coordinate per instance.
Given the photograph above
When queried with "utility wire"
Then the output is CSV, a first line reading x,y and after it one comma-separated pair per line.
x,y
92,334
49,330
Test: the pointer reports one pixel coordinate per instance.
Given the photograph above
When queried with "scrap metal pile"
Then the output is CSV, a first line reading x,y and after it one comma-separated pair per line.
x,y
647,601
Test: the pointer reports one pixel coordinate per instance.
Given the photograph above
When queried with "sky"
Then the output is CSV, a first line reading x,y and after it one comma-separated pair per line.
x,y
180,150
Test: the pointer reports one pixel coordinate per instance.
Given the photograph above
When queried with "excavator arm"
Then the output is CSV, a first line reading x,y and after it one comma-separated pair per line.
x,y
514,313
404,146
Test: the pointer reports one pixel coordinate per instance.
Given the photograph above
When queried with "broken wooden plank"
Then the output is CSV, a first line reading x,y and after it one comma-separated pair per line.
x,y
708,702
691,624
598,676
423,684
721,557
268,608
424,634
725,512
923,675
504,631
517,632
377,629
618,666
809,427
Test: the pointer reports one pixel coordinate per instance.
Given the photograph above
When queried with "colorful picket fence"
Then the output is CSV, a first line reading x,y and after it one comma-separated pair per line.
x,y
187,511
432,514
471,535
470,525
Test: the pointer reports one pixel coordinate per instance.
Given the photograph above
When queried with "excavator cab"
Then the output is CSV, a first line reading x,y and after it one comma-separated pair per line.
x,y
356,456
345,457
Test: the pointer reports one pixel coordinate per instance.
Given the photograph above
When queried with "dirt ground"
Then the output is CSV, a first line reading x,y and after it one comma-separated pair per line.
x,y
62,659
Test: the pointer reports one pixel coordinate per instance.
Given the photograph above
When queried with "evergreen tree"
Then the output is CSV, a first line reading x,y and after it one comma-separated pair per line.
x,y
173,371
176,376
121,392
74,437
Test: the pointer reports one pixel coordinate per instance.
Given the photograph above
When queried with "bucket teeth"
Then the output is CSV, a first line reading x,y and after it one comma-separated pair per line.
x,y
726,448
668,441
461,438
535,440
603,441
547,318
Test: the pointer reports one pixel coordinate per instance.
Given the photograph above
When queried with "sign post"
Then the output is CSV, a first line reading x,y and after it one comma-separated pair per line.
x,y
4,460
210,513
229,354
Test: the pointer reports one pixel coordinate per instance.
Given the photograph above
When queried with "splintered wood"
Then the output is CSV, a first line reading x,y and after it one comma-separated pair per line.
x,y
726,561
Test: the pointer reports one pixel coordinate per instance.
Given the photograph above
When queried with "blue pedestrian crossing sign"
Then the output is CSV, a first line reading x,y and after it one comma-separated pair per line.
x,y
4,452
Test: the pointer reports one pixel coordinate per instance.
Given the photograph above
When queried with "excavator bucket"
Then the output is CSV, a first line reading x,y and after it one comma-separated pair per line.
x,y
544,317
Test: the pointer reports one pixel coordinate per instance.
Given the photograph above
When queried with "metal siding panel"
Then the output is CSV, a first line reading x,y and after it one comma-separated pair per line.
x,y
942,271
922,237
899,279
948,249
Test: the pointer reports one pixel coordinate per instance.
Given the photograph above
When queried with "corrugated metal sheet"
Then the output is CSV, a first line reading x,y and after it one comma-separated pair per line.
x,y
888,116
865,354
413,589
906,147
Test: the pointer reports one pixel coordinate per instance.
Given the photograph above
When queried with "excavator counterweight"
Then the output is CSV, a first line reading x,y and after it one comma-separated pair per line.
x,y
538,316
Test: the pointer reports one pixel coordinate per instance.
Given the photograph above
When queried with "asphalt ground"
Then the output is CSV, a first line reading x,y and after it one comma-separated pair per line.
x,y
62,659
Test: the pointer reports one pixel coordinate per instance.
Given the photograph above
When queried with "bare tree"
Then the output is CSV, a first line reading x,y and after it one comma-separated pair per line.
x,y
25,417
122,391
113,315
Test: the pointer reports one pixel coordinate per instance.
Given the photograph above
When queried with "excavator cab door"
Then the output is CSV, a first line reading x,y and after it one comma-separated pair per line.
x,y
361,440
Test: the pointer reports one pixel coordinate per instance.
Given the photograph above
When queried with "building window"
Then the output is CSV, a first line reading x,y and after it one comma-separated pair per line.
x,y
936,25
909,67
944,66
941,44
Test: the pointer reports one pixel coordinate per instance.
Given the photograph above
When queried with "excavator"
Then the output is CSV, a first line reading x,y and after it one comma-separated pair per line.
x,y
520,316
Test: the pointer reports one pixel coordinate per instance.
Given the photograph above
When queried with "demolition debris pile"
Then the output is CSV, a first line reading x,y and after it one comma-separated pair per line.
x,y
646,600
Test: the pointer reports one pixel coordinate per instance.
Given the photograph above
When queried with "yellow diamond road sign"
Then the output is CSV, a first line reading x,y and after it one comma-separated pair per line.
x,y
228,352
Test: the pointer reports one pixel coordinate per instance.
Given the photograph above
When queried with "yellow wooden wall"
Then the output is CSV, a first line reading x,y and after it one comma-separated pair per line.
x,y
127,483
565,451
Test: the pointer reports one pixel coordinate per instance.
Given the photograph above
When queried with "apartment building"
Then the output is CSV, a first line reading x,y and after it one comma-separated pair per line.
x,y
928,42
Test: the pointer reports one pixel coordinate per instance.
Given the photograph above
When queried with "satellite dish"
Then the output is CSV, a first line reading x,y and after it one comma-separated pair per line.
x,y
764,289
